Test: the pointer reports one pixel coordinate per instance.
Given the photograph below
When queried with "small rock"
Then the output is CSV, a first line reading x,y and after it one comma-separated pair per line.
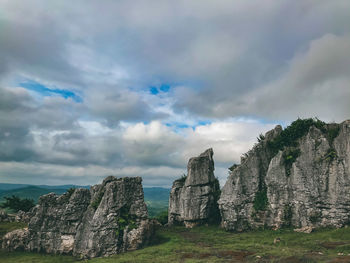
x,y
277,240
305,229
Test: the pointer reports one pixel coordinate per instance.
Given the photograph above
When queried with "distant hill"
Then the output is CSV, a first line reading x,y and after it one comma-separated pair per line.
x,y
5,187
31,192
156,198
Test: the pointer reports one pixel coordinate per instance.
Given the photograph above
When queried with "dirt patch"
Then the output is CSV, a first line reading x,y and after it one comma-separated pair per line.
x,y
205,255
345,259
332,245
238,255
188,255
293,259
190,236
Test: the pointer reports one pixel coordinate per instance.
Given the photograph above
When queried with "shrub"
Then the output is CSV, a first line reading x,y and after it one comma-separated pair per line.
x,y
16,203
315,217
290,135
289,157
182,179
260,199
330,155
287,216
261,137
125,219
333,132
162,217
96,202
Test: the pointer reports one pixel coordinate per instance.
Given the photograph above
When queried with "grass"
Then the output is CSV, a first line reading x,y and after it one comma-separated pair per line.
x,y
212,244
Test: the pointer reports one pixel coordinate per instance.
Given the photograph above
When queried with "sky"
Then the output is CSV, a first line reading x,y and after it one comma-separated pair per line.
x,y
135,88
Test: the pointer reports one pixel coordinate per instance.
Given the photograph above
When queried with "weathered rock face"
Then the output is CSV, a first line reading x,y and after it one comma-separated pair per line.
x,y
107,219
193,200
306,184
5,217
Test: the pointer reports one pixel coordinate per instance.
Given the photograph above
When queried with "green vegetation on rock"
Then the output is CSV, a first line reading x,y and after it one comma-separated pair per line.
x,y
96,202
290,135
182,179
260,200
124,220
290,155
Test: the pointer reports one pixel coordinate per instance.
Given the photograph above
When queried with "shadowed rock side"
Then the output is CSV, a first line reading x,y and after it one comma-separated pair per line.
x,y
193,199
303,184
107,219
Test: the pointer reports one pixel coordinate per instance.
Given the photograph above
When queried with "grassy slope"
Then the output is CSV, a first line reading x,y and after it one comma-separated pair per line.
x,y
212,244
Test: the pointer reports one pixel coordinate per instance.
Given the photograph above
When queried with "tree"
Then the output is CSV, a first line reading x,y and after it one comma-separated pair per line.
x,y
162,217
15,203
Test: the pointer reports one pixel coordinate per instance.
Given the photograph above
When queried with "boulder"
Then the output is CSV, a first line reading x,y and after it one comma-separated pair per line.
x,y
109,218
5,217
193,199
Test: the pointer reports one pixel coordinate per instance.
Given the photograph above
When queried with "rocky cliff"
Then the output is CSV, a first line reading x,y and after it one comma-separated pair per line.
x,y
193,198
107,219
297,177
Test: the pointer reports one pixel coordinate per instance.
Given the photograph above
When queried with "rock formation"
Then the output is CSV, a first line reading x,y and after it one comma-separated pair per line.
x,y
297,177
107,219
193,199
5,217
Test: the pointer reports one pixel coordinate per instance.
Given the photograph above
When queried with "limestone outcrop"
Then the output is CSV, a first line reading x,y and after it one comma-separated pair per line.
x,y
193,198
297,177
5,217
106,219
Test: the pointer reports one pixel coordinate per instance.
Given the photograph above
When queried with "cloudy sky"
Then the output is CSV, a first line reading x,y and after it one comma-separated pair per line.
x,y
135,88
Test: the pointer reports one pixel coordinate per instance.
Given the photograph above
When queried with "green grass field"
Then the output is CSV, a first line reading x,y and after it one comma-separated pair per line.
x,y
212,244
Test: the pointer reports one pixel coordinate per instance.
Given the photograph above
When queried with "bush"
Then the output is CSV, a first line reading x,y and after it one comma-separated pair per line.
x,y
289,156
182,179
96,202
333,132
290,135
15,203
162,217
260,200
330,155
125,219
261,137
287,216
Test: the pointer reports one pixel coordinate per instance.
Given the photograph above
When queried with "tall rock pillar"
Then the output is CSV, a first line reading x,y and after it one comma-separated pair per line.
x,y
193,198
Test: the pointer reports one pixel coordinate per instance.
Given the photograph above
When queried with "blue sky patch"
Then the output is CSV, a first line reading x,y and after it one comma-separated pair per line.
x,y
153,90
164,87
44,91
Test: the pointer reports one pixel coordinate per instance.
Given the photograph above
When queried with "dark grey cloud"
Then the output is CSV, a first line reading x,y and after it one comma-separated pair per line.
x,y
273,61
